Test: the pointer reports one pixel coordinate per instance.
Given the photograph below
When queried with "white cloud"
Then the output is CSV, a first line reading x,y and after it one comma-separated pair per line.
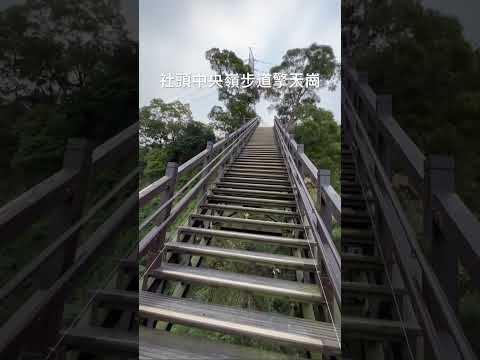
x,y
174,35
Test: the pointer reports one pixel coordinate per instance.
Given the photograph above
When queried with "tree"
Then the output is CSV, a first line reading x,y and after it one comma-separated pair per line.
x,y
314,59
318,131
239,101
421,58
67,69
169,133
160,122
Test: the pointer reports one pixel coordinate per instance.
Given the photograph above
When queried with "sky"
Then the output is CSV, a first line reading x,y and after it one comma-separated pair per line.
x,y
175,34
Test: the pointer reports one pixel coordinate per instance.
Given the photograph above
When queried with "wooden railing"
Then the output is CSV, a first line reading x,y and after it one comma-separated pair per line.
x,y
450,229
319,224
61,198
210,160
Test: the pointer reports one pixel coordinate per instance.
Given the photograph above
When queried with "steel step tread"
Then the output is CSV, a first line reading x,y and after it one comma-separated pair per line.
x,y
96,338
250,209
260,284
256,168
259,166
248,168
352,232
123,298
243,255
253,192
355,213
349,258
233,185
163,345
237,235
240,173
373,289
255,180
256,157
380,327
275,327
250,200
263,164
226,219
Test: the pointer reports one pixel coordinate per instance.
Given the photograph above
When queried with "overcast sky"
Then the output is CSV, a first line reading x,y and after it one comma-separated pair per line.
x,y
174,35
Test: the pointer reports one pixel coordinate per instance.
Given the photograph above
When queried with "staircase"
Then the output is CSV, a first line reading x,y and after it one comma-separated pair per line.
x,y
240,270
372,328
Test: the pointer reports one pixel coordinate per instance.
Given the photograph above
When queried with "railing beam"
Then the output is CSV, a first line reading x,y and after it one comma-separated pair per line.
x,y
440,179
323,180
171,173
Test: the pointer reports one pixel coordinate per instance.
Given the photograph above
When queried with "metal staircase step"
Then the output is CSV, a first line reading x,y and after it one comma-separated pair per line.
x,y
261,153
370,328
257,157
282,261
259,168
255,193
255,180
357,233
314,335
251,201
259,163
361,261
370,290
263,285
236,235
259,175
122,299
257,186
246,209
104,340
355,213
163,345
246,222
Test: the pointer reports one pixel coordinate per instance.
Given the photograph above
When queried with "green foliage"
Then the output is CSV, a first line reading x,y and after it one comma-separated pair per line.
x,y
315,59
160,121
168,133
239,102
67,71
432,73
320,134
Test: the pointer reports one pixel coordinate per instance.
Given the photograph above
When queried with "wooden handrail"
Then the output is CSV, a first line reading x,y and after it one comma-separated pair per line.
x,y
63,194
319,231
16,215
397,142
408,253
152,190
328,200
153,235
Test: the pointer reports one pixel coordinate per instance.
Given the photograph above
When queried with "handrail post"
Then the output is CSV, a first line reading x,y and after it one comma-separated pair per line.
x,y
384,111
300,151
440,178
77,156
171,172
323,179
207,159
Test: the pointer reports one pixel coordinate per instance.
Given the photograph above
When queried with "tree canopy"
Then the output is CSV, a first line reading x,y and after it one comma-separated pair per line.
x,y
239,102
422,59
68,69
169,133
286,100
317,130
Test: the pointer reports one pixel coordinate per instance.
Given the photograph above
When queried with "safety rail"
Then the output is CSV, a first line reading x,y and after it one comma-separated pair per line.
x,y
212,158
451,229
54,269
328,200
298,164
